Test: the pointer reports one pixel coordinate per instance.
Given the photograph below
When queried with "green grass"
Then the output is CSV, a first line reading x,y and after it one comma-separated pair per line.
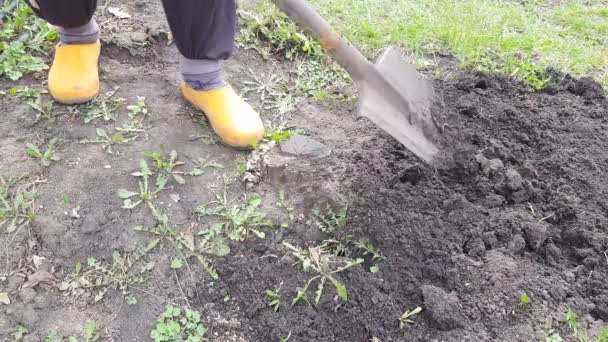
x,y
23,39
521,38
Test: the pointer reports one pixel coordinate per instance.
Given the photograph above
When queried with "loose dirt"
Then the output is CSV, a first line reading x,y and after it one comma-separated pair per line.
x,y
525,212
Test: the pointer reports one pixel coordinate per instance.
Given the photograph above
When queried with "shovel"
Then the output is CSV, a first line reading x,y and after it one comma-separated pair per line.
x,y
392,93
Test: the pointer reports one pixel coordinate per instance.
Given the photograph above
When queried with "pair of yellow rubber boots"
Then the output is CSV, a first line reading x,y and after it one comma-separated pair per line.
x,y
74,78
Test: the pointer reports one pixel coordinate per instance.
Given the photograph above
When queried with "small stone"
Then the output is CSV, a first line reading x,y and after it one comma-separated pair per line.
x,y
514,180
301,145
535,234
443,308
517,244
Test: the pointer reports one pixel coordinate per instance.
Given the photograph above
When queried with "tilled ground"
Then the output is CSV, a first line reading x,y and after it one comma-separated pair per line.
x,y
526,213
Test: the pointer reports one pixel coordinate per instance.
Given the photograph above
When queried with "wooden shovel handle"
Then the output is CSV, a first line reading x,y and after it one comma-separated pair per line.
x,y
343,51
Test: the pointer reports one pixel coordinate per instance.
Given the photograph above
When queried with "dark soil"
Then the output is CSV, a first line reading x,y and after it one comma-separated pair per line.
x,y
526,212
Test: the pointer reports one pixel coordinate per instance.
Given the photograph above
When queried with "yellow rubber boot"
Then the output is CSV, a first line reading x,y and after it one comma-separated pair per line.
x,y
74,75
230,116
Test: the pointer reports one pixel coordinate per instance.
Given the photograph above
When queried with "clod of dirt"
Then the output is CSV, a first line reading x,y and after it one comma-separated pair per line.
x,y
517,244
456,202
514,180
535,234
444,308
467,106
301,145
489,166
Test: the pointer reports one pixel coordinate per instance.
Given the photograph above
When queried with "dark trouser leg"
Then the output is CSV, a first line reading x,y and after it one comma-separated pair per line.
x,y
73,18
204,32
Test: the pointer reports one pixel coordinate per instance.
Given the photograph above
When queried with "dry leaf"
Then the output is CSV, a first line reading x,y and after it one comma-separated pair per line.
x,y
39,277
119,13
4,298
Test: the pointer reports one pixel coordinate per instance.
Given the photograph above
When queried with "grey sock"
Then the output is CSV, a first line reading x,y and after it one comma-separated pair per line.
x,y
85,34
203,74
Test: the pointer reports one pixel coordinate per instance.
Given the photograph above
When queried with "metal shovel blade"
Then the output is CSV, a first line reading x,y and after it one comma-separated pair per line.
x,y
400,101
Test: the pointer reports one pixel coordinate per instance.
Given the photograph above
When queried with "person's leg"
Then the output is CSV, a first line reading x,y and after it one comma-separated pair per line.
x,y
204,32
73,19
73,77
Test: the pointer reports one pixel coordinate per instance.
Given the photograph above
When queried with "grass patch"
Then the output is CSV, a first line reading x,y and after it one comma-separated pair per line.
x,y
122,274
521,38
23,39
16,205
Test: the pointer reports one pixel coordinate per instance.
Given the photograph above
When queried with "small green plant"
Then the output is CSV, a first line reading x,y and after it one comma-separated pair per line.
x,y
16,206
347,247
572,320
553,336
274,298
165,166
239,220
52,336
177,325
323,265
145,190
603,336
270,32
406,319
275,93
329,221
22,35
139,108
103,107
108,141
524,300
124,272
26,93
20,333
45,157
89,334
200,245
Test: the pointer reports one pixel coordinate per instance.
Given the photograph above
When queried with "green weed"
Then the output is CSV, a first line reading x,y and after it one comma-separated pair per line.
x,y
139,108
347,247
274,298
26,93
552,336
272,33
19,334
328,220
23,38
103,107
108,141
524,300
45,157
89,334
238,220
200,245
406,319
130,131
123,273
165,170
323,265
176,324
16,206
